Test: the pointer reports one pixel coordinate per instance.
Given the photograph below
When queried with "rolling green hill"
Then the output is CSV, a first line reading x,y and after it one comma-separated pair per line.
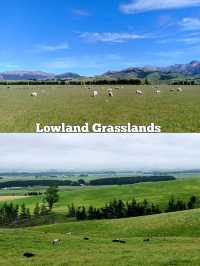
x,y
159,192
174,240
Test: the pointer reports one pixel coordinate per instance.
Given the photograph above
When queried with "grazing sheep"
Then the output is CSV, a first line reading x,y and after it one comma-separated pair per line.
x,y
179,89
156,91
95,93
138,92
110,94
34,94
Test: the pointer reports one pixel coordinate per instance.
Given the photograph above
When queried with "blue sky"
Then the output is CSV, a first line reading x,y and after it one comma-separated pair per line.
x,y
91,37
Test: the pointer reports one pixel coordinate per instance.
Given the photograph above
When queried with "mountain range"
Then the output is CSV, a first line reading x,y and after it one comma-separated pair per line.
x,y
191,69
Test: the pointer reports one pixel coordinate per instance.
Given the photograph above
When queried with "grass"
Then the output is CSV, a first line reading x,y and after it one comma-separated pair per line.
x,y
168,245
174,237
155,192
173,111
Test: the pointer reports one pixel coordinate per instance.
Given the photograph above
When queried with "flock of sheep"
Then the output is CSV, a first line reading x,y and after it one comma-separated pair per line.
x,y
138,92
110,93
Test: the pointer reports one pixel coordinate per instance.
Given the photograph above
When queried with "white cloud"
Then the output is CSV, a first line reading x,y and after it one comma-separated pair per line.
x,y
95,152
137,6
112,37
190,24
51,48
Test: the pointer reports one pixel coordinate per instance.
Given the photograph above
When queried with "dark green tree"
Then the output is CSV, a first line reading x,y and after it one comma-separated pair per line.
x,y
51,196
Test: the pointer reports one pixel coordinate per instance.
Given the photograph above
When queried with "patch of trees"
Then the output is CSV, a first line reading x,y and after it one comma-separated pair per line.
x,y
129,180
184,82
19,214
33,193
11,214
80,182
119,209
31,183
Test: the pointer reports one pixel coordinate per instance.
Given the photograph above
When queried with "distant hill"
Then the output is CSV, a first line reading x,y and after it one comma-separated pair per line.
x,y
35,75
190,70
177,71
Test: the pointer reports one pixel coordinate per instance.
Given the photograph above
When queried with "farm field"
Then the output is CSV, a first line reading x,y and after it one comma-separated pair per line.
x,y
173,111
155,192
174,238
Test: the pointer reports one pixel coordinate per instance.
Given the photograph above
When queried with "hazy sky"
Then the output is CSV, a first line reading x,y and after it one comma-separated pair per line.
x,y
90,37
99,152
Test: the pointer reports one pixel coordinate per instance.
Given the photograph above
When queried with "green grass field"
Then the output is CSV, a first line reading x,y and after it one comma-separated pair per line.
x,y
158,192
174,237
173,111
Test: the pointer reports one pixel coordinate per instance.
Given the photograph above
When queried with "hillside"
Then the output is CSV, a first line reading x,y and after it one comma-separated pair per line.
x,y
159,192
35,75
177,71
174,240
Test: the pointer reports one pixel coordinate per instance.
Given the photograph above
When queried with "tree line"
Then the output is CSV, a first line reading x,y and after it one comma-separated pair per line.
x,y
133,81
20,215
80,182
120,209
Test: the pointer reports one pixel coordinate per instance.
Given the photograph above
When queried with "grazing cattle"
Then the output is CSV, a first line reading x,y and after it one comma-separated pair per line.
x,y
146,240
115,240
122,241
179,89
28,255
56,241
34,94
85,238
138,92
119,241
95,93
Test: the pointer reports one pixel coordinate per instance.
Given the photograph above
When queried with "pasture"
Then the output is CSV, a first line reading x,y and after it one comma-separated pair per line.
x,y
174,111
155,192
174,238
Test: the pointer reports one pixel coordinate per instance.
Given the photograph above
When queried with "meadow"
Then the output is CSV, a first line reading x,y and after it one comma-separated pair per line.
x,y
155,192
174,238
173,111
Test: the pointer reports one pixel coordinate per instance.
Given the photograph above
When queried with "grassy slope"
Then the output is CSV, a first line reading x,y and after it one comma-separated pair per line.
x,y
174,241
159,192
175,237
175,112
